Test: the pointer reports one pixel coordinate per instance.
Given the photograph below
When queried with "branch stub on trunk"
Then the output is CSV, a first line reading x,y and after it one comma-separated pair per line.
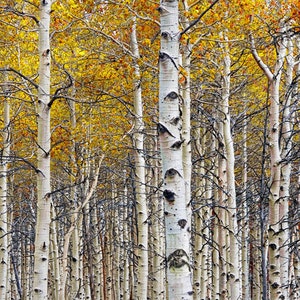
x,y
178,259
171,96
169,195
163,129
182,223
177,145
171,173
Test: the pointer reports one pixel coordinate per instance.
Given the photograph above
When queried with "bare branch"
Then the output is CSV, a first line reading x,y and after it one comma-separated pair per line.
x,y
198,19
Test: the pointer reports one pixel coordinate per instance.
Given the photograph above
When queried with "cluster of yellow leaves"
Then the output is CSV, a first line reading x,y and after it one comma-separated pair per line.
x,y
91,43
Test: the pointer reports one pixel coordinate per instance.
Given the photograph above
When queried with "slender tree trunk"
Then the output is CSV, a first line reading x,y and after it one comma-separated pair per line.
x,y
216,231
295,260
221,257
244,227
286,168
54,254
138,141
198,220
75,220
234,262
169,128
255,259
42,229
158,292
4,160
75,240
96,258
274,78
125,285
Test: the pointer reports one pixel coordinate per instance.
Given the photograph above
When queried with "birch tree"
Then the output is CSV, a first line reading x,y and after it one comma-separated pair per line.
x,y
6,137
169,130
138,142
42,229
274,79
234,267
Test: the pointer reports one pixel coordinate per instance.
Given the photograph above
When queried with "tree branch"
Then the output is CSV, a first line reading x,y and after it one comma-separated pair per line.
x,y
21,75
259,61
198,19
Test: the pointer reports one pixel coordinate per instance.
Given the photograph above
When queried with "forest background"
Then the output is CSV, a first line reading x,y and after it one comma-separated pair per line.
x,y
149,150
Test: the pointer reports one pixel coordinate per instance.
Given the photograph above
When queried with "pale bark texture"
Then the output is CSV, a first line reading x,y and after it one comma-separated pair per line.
x,y
234,262
295,259
138,143
54,256
275,219
75,277
185,92
244,223
286,168
125,241
75,220
42,229
169,129
158,270
202,278
221,220
4,160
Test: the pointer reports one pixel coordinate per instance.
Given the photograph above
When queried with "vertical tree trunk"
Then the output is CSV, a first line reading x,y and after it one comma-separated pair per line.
x,y
216,232
96,258
4,160
244,226
169,129
75,249
41,255
286,168
234,262
125,283
198,222
138,142
274,78
221,257
54,254
295,276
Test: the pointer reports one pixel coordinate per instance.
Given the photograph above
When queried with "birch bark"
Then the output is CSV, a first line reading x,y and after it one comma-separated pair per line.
x,y
234,261
286,168
4,160
274,79
42,229
169,130
138,141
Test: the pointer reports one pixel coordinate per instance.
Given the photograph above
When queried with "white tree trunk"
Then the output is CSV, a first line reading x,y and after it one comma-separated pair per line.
x,y
169,129
158,292
54,256
138,143
125,239
222,241
41,255
244,227
284,196
234,262
4,160
295,260
274,78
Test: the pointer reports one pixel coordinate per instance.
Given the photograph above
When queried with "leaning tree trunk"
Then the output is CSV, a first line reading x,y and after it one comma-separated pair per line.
x,y
169,129
41,255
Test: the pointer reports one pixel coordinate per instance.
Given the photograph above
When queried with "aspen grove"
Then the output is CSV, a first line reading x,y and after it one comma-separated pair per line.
x,y
150,149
